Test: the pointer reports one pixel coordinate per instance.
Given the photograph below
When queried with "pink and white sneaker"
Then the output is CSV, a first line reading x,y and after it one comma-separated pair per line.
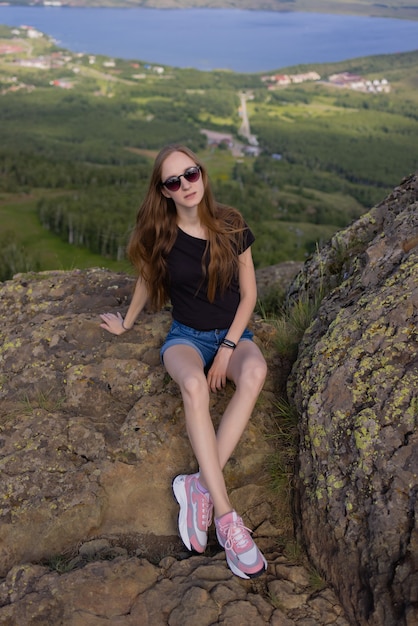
x,y
195,514
243,557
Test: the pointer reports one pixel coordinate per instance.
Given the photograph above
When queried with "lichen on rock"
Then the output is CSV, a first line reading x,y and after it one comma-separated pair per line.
x,y
355,386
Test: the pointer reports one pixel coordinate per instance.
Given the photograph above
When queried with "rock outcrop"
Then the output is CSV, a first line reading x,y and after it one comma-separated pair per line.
x,y
91,434
355,387
93,429
132,591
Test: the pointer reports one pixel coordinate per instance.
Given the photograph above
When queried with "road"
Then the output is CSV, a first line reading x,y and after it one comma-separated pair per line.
x,y
244,129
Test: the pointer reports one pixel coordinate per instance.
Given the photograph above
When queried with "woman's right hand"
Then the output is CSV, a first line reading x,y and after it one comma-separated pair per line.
x,y
113,323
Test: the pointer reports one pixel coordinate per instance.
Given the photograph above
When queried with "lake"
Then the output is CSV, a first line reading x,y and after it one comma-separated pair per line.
x,y
208,39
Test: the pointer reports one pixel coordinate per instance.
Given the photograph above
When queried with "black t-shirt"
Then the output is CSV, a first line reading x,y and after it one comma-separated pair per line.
x,y
188,293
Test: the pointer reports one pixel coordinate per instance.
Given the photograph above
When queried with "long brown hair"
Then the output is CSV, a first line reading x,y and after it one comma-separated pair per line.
x,y
156,230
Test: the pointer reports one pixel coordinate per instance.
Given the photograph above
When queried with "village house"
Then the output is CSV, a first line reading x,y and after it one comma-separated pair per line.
x,y
215,139
40,63
282,80
358,83
62,83
8,48
252,151
32,33
301,78
16,86
277,79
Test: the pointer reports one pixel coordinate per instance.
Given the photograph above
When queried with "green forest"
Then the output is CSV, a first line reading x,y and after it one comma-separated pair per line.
x,y
79,133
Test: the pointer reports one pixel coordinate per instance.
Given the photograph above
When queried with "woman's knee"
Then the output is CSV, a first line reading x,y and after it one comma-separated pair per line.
x,y
254,373
260,371
194,385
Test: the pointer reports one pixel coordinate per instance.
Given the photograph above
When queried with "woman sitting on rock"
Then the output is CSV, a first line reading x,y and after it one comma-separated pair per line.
x,y
195,252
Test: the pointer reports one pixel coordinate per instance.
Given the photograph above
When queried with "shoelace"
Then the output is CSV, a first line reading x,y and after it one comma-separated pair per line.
x,y
237,534
206,511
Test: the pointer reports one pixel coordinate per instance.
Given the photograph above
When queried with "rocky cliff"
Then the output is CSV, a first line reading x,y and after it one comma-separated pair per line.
x,y
92,432
355,386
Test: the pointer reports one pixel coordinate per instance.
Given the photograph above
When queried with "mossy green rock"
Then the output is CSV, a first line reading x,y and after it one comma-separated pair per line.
x,y
355,385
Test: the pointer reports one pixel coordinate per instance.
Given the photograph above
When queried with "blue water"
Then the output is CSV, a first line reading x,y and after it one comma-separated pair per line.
x,y
208,39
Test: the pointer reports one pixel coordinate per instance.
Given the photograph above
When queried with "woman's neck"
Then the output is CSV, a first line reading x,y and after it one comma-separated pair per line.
x,y
191,225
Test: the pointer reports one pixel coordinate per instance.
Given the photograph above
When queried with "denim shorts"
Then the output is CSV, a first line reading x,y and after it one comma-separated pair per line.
x,y
205,342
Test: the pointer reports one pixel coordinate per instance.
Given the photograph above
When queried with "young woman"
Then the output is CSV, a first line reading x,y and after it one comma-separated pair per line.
x,y
195,252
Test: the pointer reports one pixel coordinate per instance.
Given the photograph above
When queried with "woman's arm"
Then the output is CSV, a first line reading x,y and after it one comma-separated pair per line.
x,y
115,324
248,297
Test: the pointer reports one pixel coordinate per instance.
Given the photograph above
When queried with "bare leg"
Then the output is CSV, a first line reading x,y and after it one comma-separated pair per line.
x,y
248,370
185,366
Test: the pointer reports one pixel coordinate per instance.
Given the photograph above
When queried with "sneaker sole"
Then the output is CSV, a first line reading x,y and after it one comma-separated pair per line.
x,y
179,492
235,570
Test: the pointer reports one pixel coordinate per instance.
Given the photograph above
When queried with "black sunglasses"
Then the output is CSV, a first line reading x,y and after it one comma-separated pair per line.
x,y
192,175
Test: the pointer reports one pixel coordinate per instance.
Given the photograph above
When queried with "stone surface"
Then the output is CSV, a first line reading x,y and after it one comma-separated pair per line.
x,y
133,592
92,427
277,278
91,434
355,387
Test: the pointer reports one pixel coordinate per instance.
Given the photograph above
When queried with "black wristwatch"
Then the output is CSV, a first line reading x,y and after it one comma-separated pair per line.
x,y
229,344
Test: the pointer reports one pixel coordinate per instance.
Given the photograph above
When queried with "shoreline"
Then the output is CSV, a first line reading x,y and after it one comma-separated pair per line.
x,y
331,7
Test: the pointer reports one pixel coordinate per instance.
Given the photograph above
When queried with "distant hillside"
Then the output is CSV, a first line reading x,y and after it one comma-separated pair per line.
x,y
79,133
391,8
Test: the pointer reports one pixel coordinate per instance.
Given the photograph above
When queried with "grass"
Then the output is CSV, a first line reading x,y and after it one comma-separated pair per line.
x,y
294,552
344,202
61,563
292,324
290,319
292,112
281,462
220,164
316,581
47,251
278,241
271,304
45,400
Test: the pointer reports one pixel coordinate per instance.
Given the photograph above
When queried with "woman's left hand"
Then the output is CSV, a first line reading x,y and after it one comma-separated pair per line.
x,y
113,323
217,373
